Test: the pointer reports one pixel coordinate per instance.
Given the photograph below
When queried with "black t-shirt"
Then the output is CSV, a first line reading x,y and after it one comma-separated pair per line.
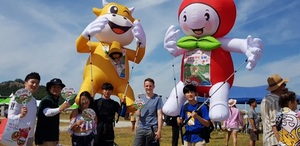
x,y
106,109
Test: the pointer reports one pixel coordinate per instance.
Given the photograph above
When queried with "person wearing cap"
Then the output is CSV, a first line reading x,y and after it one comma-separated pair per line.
x,y
105,109
26,113
47,129
254,120
270,107
233,122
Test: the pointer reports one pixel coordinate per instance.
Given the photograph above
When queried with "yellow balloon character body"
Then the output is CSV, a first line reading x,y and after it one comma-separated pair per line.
x,y
109,59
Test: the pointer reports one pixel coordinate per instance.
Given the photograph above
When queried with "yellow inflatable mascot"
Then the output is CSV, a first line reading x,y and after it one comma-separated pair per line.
x,y
114,28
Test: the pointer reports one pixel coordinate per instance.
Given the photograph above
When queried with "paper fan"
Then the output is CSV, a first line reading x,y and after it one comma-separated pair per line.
x,y
88,114
23,96
68,93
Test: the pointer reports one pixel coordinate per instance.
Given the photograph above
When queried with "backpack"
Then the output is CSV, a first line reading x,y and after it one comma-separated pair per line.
x,y
278,120
207,130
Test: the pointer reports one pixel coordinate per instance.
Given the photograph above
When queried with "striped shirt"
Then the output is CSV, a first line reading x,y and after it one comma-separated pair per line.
x,y
269,109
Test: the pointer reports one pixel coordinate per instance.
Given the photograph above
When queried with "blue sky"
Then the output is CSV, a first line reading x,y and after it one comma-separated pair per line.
x,y
40,36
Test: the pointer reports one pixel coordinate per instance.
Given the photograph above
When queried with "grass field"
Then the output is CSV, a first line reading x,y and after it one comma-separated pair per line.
x,y
124,137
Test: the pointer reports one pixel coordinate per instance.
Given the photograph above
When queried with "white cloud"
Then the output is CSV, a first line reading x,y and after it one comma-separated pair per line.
x,y
272,20
285,67
41,37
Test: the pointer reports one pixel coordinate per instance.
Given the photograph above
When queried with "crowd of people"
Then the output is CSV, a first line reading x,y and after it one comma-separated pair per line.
x,y
280,121
92,123
278,106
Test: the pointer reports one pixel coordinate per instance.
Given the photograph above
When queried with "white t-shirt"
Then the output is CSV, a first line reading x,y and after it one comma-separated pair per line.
x,y
14,111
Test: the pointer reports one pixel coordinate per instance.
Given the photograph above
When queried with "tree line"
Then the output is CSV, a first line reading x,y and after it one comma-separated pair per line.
x,y
8,87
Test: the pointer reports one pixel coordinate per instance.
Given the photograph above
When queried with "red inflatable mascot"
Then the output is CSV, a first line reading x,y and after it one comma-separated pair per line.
x,y
206,61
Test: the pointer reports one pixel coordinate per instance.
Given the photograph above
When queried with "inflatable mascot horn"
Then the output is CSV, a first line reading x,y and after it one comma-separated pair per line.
x,y
207,61
114,28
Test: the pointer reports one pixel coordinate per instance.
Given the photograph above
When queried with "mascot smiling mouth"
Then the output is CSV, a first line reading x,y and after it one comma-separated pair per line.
x,y
117,28
198,31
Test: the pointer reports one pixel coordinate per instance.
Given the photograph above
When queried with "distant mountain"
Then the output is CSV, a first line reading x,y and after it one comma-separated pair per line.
x,y
8,87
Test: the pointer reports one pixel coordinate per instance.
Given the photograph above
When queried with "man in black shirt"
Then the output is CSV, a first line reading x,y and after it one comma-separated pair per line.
x,y
105,109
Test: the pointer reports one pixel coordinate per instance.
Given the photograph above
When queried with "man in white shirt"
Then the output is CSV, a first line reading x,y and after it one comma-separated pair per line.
x,y
26,113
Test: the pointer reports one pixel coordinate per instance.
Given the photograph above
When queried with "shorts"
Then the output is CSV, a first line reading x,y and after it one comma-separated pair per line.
x,y
253,135
233,129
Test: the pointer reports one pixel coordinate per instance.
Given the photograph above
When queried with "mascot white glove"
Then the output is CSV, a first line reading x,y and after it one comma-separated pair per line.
x,y
94,27
254,51
139,34
170,41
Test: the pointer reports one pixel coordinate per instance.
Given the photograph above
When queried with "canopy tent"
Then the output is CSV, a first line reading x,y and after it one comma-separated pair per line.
x,y
1,99
5,101
243,94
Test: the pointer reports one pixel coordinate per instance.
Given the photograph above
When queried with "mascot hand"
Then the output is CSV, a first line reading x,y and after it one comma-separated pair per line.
x,y
94,27
170,41
139,34
253,52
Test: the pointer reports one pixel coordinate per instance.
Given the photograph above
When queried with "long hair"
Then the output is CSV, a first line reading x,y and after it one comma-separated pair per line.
x,y
89,97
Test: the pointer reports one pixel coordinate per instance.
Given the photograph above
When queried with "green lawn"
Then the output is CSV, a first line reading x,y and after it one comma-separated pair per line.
x,y
124,137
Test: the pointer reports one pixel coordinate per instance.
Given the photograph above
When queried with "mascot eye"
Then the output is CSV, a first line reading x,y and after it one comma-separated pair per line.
x,y
184,18
114,10
206,15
